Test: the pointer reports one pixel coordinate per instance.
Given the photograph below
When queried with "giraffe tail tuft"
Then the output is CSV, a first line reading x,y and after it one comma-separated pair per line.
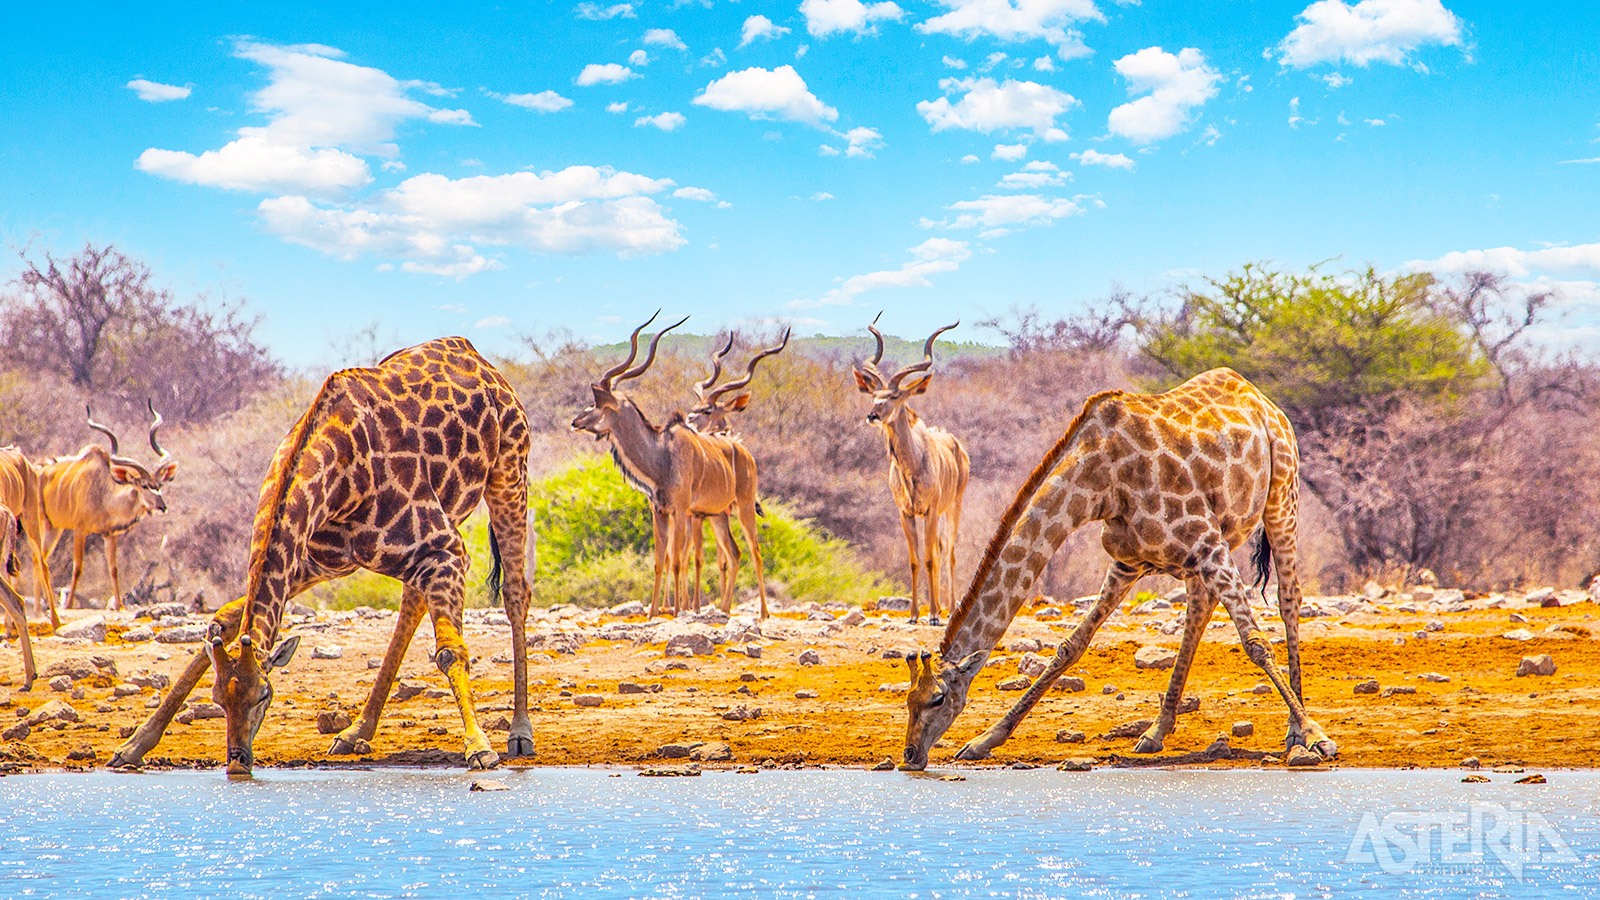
x,y
759,510
497,573
1261,561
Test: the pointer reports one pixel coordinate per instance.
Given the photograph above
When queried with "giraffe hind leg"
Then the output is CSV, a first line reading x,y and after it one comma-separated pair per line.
x,y
1201,603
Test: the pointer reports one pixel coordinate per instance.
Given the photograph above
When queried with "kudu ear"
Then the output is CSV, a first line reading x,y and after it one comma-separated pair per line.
x,y
166,472
124,474
919,386
739,402
285,652
862,383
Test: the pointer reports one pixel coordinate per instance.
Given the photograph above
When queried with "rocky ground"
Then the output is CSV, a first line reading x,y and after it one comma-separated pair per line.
x,y
1424,677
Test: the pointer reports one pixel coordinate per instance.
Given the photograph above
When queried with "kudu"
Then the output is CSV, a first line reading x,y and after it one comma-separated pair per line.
x,y
928,470
710,416
683,472
10,601
102,493
20,493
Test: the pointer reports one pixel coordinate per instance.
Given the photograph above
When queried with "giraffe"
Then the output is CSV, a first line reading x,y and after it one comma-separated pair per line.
x,y
1178,480
378,474
928,470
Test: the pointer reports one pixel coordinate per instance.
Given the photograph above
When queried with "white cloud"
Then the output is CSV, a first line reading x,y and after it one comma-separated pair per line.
x,y
1376,123
992,60
694,193
828,150
931,257
1035,175
156,92
1178,85
717,58
820,196
1579,162
434,223
969,159
1044,64
988,106
667,121
825,17
998,215
492,322
605,73
664,37
863,141
544,101
1386,31
760,28
1579,259
767,94
1294,113
321,112
595,12
1018,20
950,62
1009,152
638,58
621,106
1336,80
1093,157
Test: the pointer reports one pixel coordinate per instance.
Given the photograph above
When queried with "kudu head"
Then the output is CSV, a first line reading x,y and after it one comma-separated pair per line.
x,y
710,415
938,694
889,395
596,417
145,484
244,690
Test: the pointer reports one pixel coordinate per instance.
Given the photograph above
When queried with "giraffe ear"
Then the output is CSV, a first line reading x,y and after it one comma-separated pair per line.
x,y
285,652
970,664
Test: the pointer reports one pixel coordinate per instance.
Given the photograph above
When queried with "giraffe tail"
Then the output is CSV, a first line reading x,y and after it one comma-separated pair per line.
x,y
497,573
1261,561
760,511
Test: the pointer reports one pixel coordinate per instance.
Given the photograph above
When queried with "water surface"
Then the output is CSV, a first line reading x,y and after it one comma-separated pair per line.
x,y
787,834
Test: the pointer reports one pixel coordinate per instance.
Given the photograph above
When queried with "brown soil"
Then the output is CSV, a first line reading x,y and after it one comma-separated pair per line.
x,y
1484,710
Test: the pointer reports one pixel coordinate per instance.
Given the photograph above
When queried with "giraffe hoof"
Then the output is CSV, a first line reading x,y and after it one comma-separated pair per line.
x,y
483,759
342,746
519,745
126,759
972,751
1148,744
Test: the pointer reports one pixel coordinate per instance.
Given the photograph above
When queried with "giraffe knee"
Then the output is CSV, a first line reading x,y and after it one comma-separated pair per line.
x,y
1259,651
444,659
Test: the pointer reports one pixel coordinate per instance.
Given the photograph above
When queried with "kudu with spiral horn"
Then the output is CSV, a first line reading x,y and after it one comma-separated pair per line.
x,y
685,474
710,415
104,493
928,471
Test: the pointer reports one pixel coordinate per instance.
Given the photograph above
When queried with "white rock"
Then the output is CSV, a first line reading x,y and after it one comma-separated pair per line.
x,y
1537,665
853,617
1153,657
1031,665
1519,634
92,628
329,651
809,657
183,634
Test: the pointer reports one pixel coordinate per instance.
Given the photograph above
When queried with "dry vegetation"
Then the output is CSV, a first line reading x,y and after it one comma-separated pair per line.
x,y
1435,434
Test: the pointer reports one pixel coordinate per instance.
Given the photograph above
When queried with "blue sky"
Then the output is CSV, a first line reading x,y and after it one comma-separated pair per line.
x,y
443,169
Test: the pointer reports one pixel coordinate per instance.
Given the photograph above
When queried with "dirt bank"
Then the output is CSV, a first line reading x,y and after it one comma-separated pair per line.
x,y
1484,709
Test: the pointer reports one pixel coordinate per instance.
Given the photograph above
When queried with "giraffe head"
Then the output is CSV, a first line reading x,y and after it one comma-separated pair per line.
x,y
244,691
596,418
889,395
937,696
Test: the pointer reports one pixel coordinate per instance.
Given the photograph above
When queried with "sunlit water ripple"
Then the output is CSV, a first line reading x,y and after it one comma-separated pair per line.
x,y
836,833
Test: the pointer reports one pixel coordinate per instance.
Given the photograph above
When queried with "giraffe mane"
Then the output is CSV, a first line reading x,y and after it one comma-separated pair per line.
x,y
1008,522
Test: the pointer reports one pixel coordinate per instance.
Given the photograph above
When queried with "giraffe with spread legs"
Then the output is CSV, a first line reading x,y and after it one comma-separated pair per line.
x,y
378,474
1179,480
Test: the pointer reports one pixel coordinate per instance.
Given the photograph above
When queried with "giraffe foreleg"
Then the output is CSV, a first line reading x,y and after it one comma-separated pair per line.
x,y
1225,579
412,606
131,754
1201,603
1119,580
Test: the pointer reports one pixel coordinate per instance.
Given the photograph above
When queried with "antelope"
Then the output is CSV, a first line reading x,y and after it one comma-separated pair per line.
x,y
928,470
102,493
10,601
710,416
683,472
21,494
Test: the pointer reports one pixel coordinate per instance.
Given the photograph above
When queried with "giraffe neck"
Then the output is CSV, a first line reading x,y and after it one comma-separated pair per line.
x,y
638,450
1052,504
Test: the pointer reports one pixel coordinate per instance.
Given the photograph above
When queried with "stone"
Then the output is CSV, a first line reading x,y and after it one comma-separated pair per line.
x,y
332,721
1470,762
628,609
805,694
1398,689
55,710
589,700
952,778
1069,737
1537,665
183,634
1261,689
1015,683
81,753
1189,704
1080,764
17,732
1129,729
690,643
1539,596
753,651
327,651
1518,634
138,635
91,628
887,765
500,724
1031,665
740,714
714,751
73,667
1535,778
200,710
1069,683
1475,779
405,690
1047,612
1027,645
125,689
898,687
487,784
673,751
1366,687
628,687
1243,728
435,694
5,697
894,604
689,771
1108,689
809,657
147,679
1153,657
853,618
61,683
1434,677
1300,756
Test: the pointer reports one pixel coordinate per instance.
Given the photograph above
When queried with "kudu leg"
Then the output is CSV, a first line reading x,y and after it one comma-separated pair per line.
x,y
752,538
116,577
48,598
908,524
131,754
78,540
660,534
17,614
932,557
697,534
727,559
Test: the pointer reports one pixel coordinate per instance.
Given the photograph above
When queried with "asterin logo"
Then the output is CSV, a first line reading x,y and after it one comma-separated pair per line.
x,y
1483,833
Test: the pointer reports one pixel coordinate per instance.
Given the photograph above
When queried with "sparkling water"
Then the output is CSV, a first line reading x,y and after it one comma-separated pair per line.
x,y
603,833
